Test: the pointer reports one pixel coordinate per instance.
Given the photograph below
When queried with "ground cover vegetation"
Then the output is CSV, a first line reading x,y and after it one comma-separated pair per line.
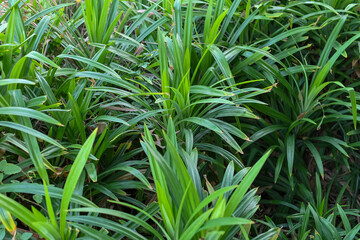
x,y
179,119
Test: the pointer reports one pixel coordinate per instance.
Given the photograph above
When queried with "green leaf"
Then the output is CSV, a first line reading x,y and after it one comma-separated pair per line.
x,y
34,188
195,226
91,170
41,58
92,233
290,152
73,178
92,63
352,233
316,156
28,112
4,82
77,117
203,122
38,198
344,219
111,119
245,184
353,106
46,11
27,217
226,221
117,227
11,169
8,221
31,132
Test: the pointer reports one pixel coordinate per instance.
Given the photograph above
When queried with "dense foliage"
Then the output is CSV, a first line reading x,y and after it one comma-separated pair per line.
x,y
179,119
